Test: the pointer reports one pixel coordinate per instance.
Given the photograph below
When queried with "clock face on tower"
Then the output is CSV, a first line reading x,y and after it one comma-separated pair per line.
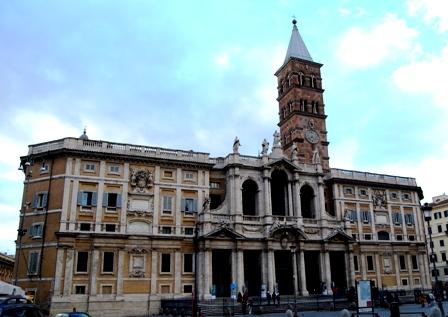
x,y
312,136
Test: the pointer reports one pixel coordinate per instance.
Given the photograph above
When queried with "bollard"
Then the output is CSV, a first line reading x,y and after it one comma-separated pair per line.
x,y
394,309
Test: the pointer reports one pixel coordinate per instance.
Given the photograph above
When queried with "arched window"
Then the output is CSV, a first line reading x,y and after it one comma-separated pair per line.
x,y
307,201
250,190
301,79
279,193
313,82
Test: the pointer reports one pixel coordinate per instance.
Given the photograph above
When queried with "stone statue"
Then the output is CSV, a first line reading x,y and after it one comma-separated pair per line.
x,y
316,156
264,147
276,142
236,145
206,203
295,152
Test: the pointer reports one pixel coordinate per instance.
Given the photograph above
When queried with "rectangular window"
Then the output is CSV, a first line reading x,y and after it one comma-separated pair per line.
x,y
110,227
442,243
214,185
406,196
33,262
188,263
443,255
445,213
80,289
87,199
189,204
393,195
355,262
188,175
404,281
84,226
370,266
367,236
44,168
189,231
402,261
35,230
396,217
82,261
409,219
365,216
414,263
411,237
167,204
399,237
188,289
348,190
445,271
112,201
166,230
108,262
439,228
89,167
40,200
114,169
166,263
363,192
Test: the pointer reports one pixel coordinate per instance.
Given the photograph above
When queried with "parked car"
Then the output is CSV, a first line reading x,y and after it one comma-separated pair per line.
x,y
73,314
18,306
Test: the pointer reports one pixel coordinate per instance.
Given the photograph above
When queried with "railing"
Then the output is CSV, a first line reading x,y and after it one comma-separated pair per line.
x,y
118,148
381,178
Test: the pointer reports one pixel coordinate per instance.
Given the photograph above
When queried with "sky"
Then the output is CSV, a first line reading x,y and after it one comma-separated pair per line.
x,y
194,74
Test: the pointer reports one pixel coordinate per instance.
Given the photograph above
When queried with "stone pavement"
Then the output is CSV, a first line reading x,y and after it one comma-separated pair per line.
x,y
407,309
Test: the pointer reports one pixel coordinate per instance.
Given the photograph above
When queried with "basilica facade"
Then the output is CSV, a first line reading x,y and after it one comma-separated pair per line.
x,y
107,227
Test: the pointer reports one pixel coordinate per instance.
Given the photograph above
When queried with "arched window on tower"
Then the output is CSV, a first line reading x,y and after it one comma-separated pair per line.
x,y
250,190
307,201
313,82
315,105
301,79
279,193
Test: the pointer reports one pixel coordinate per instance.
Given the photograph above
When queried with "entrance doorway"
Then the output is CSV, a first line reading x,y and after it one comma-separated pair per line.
x,y
222,272
312,272
284,272
252,272
338,277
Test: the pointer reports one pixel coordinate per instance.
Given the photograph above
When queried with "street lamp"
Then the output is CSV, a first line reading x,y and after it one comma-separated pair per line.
x,y
427,213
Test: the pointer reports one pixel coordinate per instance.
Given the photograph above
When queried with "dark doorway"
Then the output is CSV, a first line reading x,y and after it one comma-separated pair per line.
x,y
222,272
307,201
312,272
252,272
279,193
338,277
250,190
284,272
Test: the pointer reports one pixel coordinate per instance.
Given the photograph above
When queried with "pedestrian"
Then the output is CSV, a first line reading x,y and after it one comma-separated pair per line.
x,y
239,299
268,297
277,296
245,300
273,297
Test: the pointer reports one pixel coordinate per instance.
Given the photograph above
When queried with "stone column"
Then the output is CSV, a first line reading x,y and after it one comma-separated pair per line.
x,y
121,255
302,273
271,270
98,210
326,263
363,266
351,273
290,205
154,272
411,278
58,273
267,200
237,197
94,265
264,268
177,272
124,199
240,279
208,269
379,282
68,274
294,271
73,207
397,270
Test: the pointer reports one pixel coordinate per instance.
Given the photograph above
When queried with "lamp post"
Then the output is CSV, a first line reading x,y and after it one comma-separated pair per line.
x,y
427,211
294,275
196,249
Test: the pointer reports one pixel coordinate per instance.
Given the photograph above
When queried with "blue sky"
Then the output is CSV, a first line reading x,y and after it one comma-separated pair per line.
x,y
195,74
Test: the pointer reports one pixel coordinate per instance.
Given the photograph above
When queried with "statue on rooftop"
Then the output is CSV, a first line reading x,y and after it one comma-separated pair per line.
x,y
264,147
276,142
236,145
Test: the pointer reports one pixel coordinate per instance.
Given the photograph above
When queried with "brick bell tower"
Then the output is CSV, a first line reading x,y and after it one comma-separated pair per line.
x,y
301,105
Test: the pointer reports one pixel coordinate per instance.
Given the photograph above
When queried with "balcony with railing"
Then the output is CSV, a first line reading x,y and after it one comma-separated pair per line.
x,y
372,177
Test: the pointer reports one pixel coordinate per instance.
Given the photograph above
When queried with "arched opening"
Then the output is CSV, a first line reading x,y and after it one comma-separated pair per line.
x,y
279,193
383,235
307,201
250,190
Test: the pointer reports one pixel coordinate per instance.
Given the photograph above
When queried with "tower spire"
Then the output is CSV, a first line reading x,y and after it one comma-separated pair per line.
x,y
297,47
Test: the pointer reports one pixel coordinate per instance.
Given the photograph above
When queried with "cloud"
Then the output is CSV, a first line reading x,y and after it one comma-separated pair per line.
x,y
363,48
343,154
432,10
344,11
429,76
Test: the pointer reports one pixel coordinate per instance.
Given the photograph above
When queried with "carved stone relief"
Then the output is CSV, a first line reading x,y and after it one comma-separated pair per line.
x,y
140,180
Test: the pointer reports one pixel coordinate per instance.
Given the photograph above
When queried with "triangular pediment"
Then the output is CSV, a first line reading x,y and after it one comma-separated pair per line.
x,y
282,229
224,233
283,163
339,235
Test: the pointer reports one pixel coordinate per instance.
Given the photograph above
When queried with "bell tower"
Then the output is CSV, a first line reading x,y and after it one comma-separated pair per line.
x,y
301,106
